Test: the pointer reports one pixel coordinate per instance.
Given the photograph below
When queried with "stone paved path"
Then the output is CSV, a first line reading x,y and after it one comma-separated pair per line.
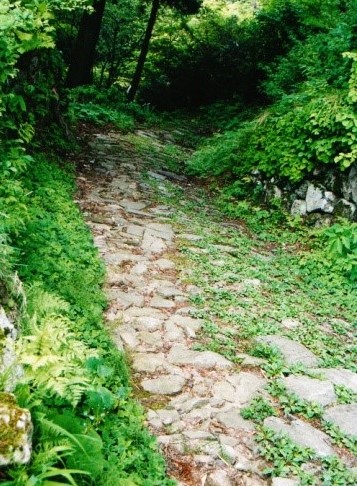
x,y
192,398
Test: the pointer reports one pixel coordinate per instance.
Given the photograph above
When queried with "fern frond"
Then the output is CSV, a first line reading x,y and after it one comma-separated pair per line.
x,y
53,357
57,431
43,303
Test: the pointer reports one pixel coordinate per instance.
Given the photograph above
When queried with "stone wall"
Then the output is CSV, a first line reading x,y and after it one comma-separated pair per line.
x,y
322,197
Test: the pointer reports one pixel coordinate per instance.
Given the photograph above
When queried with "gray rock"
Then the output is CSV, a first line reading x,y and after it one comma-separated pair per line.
x,y
132,205
302,190
164,385
345,209
339,376
173,333
141,312
135,230
302,434
250,361
218,478
139,269
175,441
168,291
196,434
16,427
128,338
253,481
7,328
154,175
180,355
290,323
318,199
161,303
164,264
252,282
188,324
159,230
345,417
350,185
233,420
298,208
147,323
148,362
310,389
125,299
239,388
190,237
292,351
152,339
185,404
285,482
203,459
152,244
168,416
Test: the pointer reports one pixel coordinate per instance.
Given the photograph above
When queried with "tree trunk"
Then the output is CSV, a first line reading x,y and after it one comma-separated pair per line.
x,y
82,58
144,51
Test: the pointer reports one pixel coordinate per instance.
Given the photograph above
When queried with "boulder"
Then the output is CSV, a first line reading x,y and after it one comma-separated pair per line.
x,y
346,209
319,199
16,432
298,208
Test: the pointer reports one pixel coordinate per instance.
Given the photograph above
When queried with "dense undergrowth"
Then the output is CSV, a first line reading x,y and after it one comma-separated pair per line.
x,y
76,383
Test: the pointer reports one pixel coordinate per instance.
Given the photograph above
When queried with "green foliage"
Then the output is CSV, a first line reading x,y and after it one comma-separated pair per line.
x,y
285,456
258,410
76,381
52,355
341,242
334,471
345,395
99,115
106,107
312,122
291,404
121,33
303,131
339,438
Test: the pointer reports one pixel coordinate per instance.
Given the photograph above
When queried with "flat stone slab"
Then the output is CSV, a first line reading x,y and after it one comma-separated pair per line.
x,y
164,385
180,355
238,388
148,362
159,230
339,376
292,351
310,389
218,478
233,420
132,205
285,482
302,434
345,417
160,303
188,324
152,244
125,299
138,312
164,264
168,291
